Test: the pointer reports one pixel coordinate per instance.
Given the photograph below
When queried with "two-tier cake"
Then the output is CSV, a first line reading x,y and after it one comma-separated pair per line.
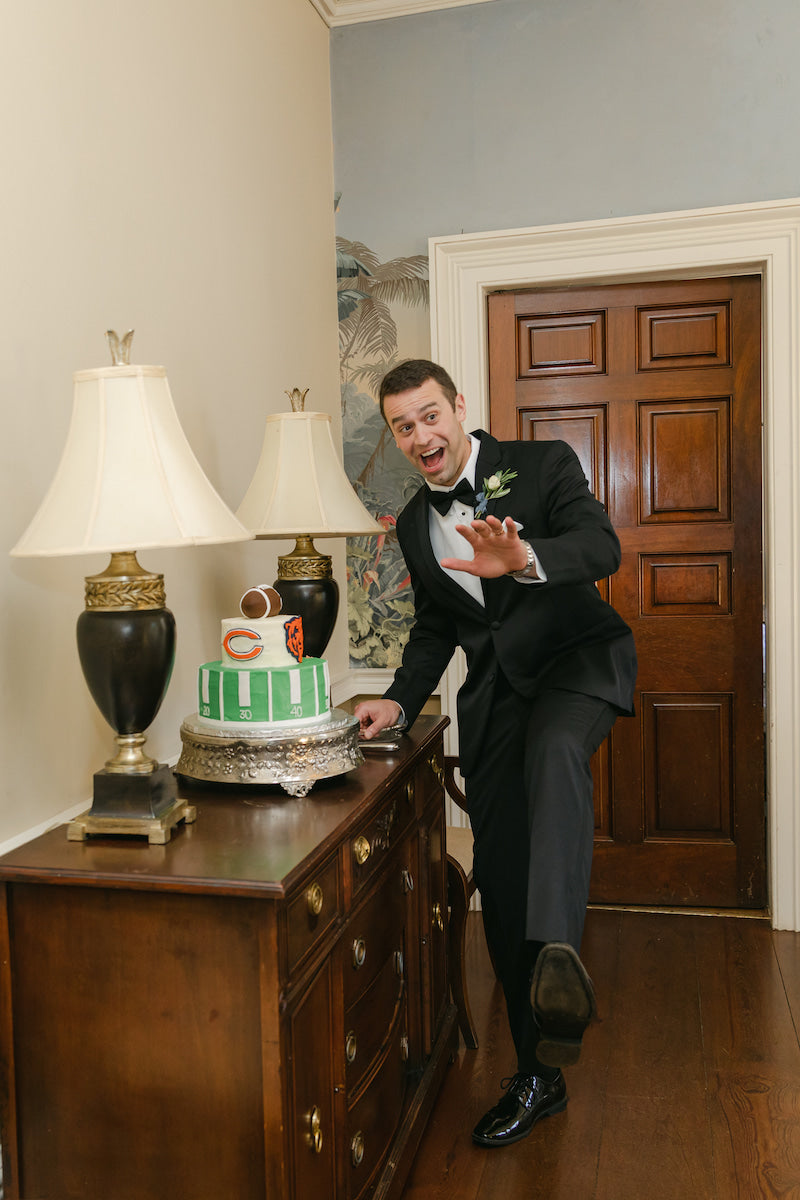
x,y
262,679
264,714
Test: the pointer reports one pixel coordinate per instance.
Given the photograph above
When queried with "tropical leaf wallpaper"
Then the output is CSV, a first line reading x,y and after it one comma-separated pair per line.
x,y
379,600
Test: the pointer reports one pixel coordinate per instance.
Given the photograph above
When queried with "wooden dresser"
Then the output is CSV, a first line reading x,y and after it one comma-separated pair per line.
x,y
258,1009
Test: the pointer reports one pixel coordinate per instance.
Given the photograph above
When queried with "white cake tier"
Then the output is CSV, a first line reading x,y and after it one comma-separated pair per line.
x,y
263,642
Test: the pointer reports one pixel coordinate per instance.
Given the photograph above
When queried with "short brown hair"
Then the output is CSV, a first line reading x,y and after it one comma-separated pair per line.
x,y
412,374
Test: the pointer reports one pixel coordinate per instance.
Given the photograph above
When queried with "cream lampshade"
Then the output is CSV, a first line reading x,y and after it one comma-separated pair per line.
x,y
300,490
127,480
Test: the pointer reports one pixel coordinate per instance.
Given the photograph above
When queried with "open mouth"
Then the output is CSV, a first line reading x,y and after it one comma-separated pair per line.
x,y
432,459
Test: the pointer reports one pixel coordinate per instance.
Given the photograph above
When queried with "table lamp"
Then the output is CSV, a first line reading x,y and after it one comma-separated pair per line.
x,y
300,490
128,480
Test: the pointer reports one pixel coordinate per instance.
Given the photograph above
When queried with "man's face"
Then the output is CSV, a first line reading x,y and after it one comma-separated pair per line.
x,y
429,431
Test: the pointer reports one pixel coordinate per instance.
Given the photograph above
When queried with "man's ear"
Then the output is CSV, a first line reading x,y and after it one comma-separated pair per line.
x,y
461,407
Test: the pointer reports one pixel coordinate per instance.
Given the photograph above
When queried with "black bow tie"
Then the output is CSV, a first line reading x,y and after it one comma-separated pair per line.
x,y
441,501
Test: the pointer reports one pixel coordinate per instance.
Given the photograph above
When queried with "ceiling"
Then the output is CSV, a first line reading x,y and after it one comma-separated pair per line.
x,y
349,12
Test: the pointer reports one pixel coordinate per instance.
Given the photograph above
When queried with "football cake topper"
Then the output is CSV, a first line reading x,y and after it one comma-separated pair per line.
x,y
260,601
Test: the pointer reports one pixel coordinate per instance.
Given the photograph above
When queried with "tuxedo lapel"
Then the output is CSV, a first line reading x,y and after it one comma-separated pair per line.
x,y
496,593
489,463
488,459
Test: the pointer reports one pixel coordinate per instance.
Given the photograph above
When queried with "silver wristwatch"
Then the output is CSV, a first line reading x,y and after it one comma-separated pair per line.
x,y
529,570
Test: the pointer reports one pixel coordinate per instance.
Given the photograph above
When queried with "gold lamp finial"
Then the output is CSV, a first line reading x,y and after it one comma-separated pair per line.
x,y
297,398
120,347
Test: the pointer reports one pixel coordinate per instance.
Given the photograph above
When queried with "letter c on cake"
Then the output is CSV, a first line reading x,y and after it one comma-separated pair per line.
x,y
242,655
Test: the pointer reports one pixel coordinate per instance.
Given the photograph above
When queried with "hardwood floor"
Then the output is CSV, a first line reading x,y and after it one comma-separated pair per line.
x,y
688,1088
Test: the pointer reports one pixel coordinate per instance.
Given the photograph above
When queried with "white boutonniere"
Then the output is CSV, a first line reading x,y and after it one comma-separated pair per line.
x,y
493,488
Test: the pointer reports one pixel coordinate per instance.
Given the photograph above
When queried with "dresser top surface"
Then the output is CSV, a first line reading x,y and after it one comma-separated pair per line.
x,y
246,839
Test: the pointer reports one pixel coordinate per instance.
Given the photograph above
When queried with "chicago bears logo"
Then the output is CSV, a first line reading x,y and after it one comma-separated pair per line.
x,y
242,655
294,638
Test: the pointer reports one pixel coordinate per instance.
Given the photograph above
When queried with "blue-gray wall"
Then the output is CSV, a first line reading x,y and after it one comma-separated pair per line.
x,y
528,112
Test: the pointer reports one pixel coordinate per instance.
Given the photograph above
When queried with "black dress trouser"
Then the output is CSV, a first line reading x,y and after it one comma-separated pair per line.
x,y
530,807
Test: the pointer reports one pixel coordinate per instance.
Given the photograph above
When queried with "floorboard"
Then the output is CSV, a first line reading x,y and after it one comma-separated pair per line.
x,y
656,1130
688,1086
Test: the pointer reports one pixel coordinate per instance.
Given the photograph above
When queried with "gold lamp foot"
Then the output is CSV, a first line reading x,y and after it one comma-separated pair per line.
x,y
157,830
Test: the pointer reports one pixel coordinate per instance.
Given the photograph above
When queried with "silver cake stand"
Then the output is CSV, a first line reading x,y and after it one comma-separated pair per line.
x,y
294,757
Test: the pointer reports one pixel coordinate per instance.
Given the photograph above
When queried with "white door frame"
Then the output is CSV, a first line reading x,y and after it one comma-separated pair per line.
x,y
742,239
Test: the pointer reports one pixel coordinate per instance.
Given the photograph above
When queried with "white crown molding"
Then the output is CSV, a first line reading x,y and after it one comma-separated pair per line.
x,y
350,12
749,238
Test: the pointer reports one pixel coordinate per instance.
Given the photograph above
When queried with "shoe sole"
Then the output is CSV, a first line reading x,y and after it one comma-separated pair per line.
x,y
563,1002
490,1144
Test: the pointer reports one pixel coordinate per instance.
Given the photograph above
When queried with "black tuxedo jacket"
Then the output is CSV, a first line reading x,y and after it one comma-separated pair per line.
x,y
554,634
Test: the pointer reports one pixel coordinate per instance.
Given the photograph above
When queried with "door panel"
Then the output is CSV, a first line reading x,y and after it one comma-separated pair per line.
x,y
684,450
657,389
585,431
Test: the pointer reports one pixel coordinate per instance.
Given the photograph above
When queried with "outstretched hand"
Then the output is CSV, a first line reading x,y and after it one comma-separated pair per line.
x,y
496,546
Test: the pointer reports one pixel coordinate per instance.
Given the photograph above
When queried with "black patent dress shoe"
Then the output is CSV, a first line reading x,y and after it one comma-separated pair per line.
x,y
563,1003
528,1098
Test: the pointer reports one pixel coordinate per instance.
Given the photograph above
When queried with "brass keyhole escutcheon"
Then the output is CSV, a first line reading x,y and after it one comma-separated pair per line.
x,y
357,1148
315,1129
436,767
351,1047
359,952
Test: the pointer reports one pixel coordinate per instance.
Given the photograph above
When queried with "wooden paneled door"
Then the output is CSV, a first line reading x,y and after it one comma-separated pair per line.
x,y
657,387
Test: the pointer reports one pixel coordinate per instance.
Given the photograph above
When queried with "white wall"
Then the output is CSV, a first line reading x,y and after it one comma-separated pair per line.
x,y
166,166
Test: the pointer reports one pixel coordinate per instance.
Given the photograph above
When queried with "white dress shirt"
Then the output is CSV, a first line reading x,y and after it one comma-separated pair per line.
x,y
447,543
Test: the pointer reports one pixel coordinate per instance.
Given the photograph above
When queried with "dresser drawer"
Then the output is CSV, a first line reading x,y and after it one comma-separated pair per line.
x,y
371,845
312,911
375,934
370,1021
429,777
373,1120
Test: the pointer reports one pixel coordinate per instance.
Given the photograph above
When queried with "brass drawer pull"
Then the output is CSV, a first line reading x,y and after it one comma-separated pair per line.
x,y
438,919
315,899
436,767
357,1148
361,849
407,880
359,952
315,1130
410,792
351,1047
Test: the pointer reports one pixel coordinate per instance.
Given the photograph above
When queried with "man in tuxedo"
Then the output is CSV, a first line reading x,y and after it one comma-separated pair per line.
x,y
504,544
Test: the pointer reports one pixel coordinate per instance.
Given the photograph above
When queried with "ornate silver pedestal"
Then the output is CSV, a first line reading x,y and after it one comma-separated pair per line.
x,y
294,757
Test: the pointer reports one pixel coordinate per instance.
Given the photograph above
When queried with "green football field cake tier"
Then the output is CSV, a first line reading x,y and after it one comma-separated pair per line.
x,y
267,697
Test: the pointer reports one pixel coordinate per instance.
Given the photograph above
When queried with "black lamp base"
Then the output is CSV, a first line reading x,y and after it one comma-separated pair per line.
x,y
131,805
126,644
146,796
